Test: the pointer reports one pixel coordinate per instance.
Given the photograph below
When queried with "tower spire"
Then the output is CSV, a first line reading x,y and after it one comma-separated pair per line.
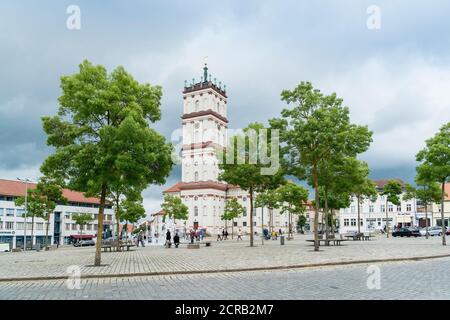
x,y
205,73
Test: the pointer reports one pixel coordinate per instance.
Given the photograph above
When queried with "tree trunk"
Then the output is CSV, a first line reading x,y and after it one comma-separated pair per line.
x,y
251,217
32,230
426,221
232,228
262,225
387,220
326,216
316,211
117,223
358,198
442,213
271,220
98,245
46,231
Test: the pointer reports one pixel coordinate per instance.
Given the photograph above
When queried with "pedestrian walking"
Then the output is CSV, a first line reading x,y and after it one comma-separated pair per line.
x,y
223,234
239,235
168,238
176,240
219,235
226,234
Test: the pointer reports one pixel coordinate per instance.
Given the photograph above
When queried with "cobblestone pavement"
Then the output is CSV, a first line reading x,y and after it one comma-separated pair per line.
x,y
401,280
225,255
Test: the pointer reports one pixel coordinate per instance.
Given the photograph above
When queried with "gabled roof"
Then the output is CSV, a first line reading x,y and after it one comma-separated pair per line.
x,y
199,185
380,183
17,189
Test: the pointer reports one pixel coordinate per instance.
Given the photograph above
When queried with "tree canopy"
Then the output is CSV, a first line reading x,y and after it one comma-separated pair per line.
x,y
102,137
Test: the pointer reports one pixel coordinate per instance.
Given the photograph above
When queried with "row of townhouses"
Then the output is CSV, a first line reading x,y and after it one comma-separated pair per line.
x,y
62,229
410,213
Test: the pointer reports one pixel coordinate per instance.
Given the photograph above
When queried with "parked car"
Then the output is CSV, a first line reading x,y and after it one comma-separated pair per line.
x,y
434,231
405,232
4,247
84,243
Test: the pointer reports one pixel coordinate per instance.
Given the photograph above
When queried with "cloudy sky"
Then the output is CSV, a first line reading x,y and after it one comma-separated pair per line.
x,y
395,79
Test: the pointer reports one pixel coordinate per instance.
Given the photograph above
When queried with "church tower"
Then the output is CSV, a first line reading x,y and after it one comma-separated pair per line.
x,y
205,123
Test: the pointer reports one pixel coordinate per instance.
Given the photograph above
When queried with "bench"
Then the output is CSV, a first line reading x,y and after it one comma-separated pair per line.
x,y
336,242
110,246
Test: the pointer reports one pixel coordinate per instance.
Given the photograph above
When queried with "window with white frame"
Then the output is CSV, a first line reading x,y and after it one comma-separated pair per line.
x,y
346,222
9,212
408,207
67,226
353,209
391,208
40,226
89,227
74,226
353,222
2,211
399,208
9,225
371,208
20,225
382,208
195,211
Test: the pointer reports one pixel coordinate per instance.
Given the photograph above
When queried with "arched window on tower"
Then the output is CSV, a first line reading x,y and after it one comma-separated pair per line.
x,y
196,176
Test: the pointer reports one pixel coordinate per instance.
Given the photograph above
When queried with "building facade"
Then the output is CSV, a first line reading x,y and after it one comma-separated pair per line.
x,y
373,214
436,217
62,229
204,128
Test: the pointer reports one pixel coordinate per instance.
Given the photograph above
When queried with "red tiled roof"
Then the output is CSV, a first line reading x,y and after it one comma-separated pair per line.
x,y
380,183
198,185
17,189
159,213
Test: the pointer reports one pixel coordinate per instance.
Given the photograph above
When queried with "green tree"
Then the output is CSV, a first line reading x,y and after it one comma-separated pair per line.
x,y
238,169
435,164
233,209
292,199
102,135
315,131
427,193
51,194
174,208
301,222
128,207
35,207
362,187
81,219
268,199
392,191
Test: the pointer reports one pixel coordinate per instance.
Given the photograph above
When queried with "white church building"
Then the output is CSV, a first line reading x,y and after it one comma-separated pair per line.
x,y
204,129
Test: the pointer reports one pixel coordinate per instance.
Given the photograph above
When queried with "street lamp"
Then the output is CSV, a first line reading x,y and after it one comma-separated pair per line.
x,y
26,180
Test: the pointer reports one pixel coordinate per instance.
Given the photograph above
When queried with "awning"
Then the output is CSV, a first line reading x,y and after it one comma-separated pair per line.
x,y
82,236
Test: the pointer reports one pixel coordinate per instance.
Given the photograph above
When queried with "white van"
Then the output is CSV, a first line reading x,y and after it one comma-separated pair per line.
x,y
4,247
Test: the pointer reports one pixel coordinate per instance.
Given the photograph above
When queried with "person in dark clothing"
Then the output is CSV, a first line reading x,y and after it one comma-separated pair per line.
x,y
192,236
223,234
176,240
226,234
168,238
